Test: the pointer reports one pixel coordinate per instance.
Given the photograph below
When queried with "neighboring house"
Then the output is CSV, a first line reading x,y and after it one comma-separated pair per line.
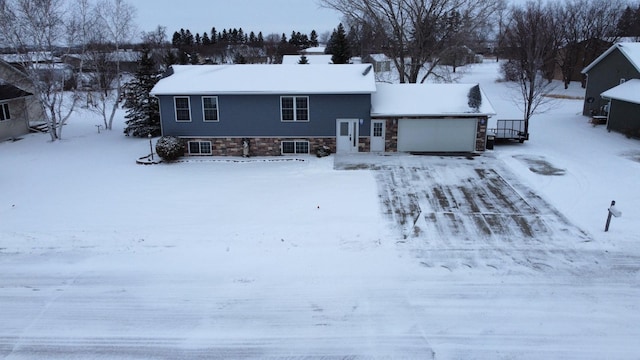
x,y
381,63
14,117
621,62
317,50
90,61
574,57
293,109
428,118
624,108
24,109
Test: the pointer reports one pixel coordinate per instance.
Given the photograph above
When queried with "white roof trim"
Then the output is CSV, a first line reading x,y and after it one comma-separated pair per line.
x,y
630,50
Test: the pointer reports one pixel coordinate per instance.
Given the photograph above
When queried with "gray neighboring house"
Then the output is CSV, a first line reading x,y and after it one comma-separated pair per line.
x,y
294,109
621,62
20,108
624,108
14,117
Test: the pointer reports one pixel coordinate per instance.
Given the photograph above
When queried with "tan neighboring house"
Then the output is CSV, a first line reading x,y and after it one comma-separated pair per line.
x,y
19,108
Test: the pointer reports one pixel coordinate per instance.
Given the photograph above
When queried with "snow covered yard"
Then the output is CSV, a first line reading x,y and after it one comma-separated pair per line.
x,y
280,258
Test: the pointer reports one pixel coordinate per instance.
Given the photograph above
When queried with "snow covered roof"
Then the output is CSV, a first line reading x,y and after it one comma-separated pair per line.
x,y
266,79
628,91
631,50
399,100
312,59
314,50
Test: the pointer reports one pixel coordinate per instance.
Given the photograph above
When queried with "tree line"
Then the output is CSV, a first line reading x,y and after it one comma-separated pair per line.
x,y
237,46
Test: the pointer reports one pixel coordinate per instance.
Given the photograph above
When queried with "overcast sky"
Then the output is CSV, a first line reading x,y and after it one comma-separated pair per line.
x,y
268,16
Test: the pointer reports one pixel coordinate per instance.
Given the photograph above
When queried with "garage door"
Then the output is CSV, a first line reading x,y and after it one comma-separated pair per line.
x,y
437,135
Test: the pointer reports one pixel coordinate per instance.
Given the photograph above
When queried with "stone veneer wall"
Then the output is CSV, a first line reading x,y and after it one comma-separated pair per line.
x,y
258,146
481,135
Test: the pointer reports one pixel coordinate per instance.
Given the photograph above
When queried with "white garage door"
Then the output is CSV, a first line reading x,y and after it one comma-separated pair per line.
x,y
437,135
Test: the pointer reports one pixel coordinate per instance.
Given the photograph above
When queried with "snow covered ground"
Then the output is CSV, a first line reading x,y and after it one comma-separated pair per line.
x,y
282,258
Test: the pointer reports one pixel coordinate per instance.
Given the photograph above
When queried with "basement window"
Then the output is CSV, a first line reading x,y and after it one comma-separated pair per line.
x,y
200,148
295,147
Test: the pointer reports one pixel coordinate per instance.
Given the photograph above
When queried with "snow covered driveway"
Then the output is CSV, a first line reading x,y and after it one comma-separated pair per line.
x,y
458,211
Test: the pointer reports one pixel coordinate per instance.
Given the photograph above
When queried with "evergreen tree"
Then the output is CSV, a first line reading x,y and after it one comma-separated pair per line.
x,y
313,39
475,98
303,60
338,46
205,39
214,36
176,40
143,114
625,24
260,39
241,36
198,40
188,38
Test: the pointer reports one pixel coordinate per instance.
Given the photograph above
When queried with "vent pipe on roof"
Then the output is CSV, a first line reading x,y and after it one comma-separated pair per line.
x,y
367,70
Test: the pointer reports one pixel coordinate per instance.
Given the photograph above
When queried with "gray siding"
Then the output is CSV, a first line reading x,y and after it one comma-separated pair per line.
x,y
606,75
624,117
259,116
18,125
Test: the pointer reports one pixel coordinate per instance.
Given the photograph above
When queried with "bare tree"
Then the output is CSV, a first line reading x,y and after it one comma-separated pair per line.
x,y
586,29
530,40
34,30
157,42
417,32
116,23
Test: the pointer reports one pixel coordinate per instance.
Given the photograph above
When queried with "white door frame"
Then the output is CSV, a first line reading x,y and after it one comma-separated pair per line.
x,y
347,137
377,143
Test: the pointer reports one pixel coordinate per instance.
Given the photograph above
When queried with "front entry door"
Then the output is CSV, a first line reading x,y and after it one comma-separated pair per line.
x,y
347,135
377,135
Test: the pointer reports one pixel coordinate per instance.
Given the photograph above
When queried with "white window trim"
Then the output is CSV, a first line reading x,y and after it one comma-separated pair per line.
x,y
217,109
4,115
199,148
295,115
175,108
294,147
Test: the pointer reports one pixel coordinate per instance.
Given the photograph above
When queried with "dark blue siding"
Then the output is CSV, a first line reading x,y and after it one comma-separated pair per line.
x,y
259,116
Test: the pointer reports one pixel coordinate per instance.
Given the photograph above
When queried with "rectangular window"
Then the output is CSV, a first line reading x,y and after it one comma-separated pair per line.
x,y
183,108
200,148
4,112
377,129
295,147
210,108
294,108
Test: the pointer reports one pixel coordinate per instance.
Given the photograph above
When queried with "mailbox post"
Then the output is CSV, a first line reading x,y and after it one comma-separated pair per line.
x,y
612,212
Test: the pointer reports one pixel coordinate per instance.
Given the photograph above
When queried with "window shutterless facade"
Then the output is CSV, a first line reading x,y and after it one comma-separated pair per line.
x,y
4,112
199,148
294,108
210,108
294,147
183,108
